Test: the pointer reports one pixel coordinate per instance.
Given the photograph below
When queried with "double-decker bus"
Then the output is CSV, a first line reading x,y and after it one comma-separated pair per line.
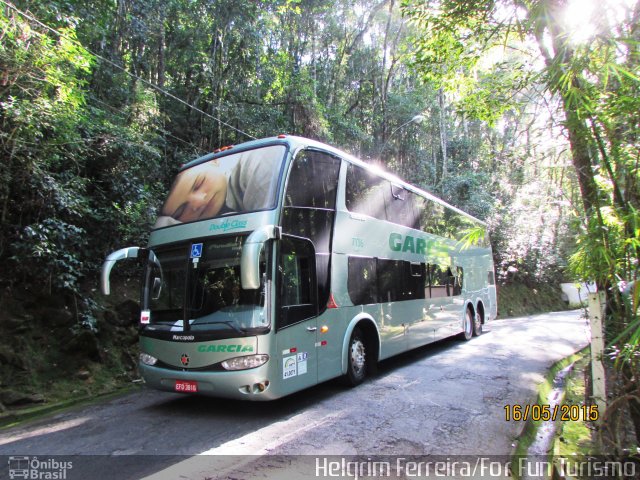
x,y
281,263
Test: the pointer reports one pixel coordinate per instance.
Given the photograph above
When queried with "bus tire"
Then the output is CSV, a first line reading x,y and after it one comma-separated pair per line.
x,y
356,359
477,325
467,326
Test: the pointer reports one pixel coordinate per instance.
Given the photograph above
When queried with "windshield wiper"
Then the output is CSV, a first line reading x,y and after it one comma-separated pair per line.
x,y
229,323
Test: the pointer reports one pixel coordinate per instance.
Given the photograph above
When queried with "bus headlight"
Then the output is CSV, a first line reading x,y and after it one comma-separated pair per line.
x,y
148,359
245,363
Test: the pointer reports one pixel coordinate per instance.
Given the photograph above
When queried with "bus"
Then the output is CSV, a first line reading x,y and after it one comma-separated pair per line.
x,y
281,263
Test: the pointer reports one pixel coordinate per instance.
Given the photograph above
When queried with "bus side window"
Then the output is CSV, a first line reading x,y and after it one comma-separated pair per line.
x,y
296,281
414,280
361,280
457,285
400,206
313,180
390,280
432,219
442,281
366,192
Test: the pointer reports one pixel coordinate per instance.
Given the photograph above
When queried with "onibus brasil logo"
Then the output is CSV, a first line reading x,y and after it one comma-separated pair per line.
x,y
34,468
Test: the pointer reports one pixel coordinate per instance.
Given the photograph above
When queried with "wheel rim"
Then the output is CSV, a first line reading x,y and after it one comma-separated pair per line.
x,y
357,357
478,324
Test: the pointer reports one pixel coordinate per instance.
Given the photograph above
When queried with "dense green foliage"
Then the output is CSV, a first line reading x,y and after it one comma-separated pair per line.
x,y
102,103
591,70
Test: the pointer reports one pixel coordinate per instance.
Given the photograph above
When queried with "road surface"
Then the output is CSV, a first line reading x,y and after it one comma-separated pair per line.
x,y
446,399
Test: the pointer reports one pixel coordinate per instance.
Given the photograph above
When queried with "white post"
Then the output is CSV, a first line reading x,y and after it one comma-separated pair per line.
x,y
597,303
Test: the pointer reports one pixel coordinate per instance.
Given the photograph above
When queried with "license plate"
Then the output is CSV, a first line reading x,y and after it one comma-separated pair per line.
x,y
186,386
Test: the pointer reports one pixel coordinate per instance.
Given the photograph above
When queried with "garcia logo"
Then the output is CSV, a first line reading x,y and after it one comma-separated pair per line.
x,y
228,225
225,348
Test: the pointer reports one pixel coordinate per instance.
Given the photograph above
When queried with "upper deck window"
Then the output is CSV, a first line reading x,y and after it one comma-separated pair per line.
x,y
370,194
237,183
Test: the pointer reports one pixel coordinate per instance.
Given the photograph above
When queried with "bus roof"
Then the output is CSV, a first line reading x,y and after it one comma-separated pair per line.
x,y
295,142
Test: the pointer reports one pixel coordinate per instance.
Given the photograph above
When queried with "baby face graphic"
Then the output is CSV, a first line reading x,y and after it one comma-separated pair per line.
x,y
197,193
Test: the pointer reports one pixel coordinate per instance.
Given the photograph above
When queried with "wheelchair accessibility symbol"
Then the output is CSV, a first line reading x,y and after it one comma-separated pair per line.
x,y
196,250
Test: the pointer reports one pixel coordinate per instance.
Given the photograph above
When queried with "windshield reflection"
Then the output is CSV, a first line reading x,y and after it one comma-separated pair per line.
x,y
214,299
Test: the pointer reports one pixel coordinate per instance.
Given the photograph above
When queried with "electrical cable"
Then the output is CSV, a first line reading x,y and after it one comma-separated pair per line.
x,y
146,82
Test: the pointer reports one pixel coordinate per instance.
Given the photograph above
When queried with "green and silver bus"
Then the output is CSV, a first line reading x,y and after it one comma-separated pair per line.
x,y
281,263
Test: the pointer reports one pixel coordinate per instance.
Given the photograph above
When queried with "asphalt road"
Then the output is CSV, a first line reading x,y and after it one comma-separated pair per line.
x,y
446,399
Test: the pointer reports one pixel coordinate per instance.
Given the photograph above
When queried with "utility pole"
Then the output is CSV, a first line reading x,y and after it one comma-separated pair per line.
x,y
597,303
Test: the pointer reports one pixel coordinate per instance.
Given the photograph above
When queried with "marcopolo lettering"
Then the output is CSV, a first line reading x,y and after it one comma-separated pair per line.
x,y
225,348
400,243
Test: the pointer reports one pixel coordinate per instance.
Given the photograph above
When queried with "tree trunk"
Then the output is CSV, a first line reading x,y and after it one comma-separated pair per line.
x,y
443,137
578,134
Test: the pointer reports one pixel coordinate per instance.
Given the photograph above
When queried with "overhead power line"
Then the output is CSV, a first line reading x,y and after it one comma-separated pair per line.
x,y
132,75
123,116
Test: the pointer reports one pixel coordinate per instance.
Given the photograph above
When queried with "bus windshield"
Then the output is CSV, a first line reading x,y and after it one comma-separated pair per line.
x,y
208,288
241,182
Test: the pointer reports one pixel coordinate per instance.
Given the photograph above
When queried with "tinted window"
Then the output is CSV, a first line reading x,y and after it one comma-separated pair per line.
x,y
442,281
458,281
295,272
361,281
436,219
415,279
313,180
373,280
400,206
366,192
296,282
390,280
372,195
314,224
369,194
432,218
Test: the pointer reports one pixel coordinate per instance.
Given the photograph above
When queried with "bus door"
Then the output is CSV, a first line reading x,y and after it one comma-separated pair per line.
x,y
307,221
297,312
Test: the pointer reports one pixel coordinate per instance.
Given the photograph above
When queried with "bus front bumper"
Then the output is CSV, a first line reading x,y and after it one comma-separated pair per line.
x,y
250,384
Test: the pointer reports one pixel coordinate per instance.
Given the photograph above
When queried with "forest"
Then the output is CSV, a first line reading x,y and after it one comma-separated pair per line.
x,y
523,113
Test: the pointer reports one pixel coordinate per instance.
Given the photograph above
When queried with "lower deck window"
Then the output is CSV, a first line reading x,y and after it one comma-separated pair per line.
x,y
376,280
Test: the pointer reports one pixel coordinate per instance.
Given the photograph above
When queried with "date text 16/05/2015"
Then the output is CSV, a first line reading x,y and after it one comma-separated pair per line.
x,y
564,413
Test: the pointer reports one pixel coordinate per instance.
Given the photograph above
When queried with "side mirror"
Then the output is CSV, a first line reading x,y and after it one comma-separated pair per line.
x,y
129,252
250,258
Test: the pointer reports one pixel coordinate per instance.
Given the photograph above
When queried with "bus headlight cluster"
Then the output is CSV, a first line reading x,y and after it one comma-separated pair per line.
x,y
246,362
148,359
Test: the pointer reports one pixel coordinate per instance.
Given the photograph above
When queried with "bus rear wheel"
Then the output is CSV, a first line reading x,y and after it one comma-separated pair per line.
x,y
477,325
356,359
467,333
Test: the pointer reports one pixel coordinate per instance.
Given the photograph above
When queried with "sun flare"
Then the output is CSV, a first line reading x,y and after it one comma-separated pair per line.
x,y
583,19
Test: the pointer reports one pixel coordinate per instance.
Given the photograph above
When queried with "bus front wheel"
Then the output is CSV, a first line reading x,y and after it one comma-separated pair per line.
x,y
356,359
